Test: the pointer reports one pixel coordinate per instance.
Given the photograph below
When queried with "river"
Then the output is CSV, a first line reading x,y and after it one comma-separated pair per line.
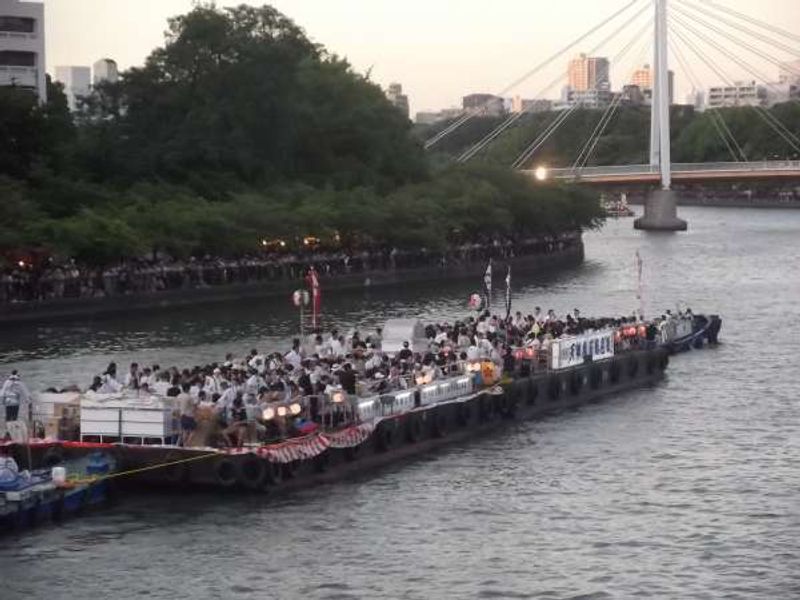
x,y
690,489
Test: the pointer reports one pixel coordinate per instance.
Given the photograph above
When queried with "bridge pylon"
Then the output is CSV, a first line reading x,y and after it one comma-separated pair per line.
x,y
660,211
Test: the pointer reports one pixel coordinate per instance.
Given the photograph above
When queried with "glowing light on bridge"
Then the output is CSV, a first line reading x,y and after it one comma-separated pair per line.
x,y
540,173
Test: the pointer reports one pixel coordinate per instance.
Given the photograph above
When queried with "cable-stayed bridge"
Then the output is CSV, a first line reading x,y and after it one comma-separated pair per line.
x,y
692,33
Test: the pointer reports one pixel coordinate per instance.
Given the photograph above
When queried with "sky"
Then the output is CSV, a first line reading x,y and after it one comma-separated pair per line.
x,y
439,50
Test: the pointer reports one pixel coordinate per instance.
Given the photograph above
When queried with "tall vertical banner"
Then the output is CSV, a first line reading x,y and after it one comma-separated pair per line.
x,y
487,285
312,280
508,293
639,291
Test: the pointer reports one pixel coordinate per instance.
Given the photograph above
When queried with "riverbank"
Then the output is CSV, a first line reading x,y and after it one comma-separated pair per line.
x,y
61,309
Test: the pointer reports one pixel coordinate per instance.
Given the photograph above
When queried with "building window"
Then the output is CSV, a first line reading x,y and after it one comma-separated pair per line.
x,y
17,24
11,58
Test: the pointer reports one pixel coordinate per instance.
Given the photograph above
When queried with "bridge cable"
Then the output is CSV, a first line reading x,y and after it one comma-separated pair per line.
x,y
740,42
544,136
764,114
744,29
487,139
526,154
592,141
754,21
712,113
466,116
719,74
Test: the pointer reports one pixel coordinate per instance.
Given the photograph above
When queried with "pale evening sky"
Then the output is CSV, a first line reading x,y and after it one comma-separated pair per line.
x,y
438,49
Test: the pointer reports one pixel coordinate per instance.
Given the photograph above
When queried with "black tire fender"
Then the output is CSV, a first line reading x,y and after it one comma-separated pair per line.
x,y
252,472
226,473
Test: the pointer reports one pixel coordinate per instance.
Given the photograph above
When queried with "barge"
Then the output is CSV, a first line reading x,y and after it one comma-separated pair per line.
x,y
351,434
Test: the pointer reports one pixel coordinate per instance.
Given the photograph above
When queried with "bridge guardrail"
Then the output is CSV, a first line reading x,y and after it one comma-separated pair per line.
x,y
752,166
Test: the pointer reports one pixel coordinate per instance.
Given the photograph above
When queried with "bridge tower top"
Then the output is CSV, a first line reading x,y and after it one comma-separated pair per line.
x,y
659,107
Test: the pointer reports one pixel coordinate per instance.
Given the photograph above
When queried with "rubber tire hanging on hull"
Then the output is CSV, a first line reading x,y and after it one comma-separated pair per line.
x,y
383,437
533,392
439,425
554,387
614,371
413,429
633,367
596,377
576,383
226,474
252,472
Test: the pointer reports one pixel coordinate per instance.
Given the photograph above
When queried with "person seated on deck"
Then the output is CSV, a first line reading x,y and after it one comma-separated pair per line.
x,y
238,424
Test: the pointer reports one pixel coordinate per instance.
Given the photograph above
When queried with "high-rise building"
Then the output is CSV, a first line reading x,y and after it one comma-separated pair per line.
x,y
643,78
398,98
104,69
22,46
77,83
588,73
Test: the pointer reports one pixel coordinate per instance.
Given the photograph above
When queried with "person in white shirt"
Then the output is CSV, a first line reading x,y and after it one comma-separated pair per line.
x,y
473,353
13,395
133,377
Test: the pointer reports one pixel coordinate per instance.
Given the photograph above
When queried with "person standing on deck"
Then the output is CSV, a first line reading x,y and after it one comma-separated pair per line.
x,y
13,395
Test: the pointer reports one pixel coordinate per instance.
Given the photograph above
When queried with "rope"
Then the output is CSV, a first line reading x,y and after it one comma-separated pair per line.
x,y
99,478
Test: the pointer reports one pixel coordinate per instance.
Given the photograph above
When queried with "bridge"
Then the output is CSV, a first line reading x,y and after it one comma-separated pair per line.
x,y
681,173
708,31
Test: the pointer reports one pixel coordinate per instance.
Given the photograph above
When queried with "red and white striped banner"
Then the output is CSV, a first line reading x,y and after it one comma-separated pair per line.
x,y
294,449
352,436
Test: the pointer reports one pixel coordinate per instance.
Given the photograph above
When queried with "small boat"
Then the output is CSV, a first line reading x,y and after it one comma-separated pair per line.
x,y
32,498
617,208
684,332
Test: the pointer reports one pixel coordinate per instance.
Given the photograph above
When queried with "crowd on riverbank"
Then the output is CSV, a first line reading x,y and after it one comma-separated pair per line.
x,y
29,282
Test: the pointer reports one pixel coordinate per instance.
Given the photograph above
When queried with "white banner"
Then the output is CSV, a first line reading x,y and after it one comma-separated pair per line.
x,y
572,351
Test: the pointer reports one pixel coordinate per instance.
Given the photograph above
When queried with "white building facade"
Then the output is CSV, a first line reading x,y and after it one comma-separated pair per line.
x,y
77,83
739,94
22,58
105,69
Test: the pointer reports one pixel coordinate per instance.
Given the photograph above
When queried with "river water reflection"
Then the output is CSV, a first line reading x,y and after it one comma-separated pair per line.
x,y
687,490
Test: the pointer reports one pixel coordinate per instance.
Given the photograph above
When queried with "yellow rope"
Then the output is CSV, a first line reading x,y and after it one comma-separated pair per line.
x,y
95,479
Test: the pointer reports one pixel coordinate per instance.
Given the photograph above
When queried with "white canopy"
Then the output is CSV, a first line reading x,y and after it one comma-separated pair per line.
x,y
397,331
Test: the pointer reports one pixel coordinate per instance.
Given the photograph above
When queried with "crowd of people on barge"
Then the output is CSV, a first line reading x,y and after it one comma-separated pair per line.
x,y
30,281
234,394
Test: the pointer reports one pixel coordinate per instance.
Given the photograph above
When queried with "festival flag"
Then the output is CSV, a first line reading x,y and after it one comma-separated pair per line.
x,y
487,285
508,293
312,280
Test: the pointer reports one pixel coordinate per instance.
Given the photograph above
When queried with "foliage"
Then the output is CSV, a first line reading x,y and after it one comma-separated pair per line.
x,y
240,129
626,138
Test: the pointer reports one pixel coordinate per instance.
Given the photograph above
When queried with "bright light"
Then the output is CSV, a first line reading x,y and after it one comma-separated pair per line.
x,y
295,408
338,397
268,414
540,173
264,242
283,244
282,411
21,264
